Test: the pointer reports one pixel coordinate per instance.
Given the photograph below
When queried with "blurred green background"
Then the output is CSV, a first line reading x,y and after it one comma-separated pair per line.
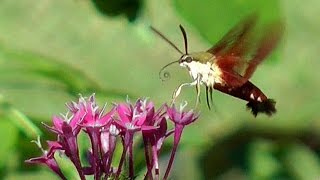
x,y
52,50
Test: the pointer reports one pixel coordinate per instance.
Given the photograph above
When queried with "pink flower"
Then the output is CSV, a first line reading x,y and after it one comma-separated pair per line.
x,y
48,157
181,119
135,117
121,122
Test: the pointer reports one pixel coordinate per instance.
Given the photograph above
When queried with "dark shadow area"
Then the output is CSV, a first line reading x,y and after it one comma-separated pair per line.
x,y
129,8
230,156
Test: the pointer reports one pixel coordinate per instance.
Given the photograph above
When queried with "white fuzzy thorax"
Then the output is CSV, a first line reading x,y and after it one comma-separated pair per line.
x,y
210,72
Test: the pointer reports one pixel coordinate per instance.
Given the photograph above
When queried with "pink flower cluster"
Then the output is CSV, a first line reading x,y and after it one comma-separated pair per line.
x,y
107,130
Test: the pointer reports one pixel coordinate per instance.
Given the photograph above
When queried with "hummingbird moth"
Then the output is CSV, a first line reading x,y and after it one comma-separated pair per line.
x,y
230,63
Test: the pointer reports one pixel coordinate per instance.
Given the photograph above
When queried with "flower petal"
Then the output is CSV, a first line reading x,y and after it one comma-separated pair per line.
x,y
105,119
124,113
57,122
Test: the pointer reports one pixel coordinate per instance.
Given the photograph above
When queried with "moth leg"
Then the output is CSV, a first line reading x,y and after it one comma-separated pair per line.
x,y
198,89
211,99
178,90
210,93
207,97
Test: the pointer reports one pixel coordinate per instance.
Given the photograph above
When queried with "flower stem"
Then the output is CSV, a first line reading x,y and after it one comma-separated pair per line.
x,y
77,164
72,152
127,143
94,137
155,162
123,156
131,168
177,136
112,145
148,157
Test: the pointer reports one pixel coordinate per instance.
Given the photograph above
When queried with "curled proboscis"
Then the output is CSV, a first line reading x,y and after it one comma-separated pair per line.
x,y
165,75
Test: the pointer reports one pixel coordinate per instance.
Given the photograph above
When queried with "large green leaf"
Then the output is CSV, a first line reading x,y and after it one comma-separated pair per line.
x,y
52,50
301,162
10,136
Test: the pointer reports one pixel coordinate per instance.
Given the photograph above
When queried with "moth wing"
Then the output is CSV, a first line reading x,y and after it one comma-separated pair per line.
x,y
235,40
266,44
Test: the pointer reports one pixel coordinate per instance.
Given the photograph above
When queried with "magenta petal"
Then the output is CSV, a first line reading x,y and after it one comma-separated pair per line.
x,y
187,118
41,159
69,141
139,105
162,128
141,119
50,162
57,122
107,117
150,105
183,117
151,115
120,124
173,113
90,113
170,112
177,116
53,147
54,144
123,112
89,118
52,129
77,117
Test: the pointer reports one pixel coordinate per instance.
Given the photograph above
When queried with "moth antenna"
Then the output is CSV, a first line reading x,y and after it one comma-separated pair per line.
x,y
184,38
166,39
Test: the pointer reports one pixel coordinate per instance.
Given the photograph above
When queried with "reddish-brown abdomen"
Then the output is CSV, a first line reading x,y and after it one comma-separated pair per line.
x,y
257,101
247,92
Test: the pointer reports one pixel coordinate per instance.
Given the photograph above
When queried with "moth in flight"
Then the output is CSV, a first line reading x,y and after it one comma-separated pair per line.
x,y
230,63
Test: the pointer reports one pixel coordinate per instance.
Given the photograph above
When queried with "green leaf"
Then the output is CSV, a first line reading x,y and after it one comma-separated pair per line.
x,y
9,134
24,124
33,72
262,163
44,174
301,162
20,120
214,18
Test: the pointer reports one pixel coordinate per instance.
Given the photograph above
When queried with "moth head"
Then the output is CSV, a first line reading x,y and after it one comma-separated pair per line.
x,y
185,60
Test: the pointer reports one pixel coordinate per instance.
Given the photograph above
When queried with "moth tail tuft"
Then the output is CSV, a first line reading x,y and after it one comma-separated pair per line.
x,y
267,106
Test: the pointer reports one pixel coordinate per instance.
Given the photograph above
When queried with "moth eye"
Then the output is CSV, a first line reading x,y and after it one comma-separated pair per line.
x,y
188,59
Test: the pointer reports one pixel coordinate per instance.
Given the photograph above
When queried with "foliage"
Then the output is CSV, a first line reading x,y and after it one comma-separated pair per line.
x,y
52,50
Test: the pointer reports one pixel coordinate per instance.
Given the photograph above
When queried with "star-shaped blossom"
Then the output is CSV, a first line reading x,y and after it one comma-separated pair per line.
x,y
48,157
105,128
180,118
